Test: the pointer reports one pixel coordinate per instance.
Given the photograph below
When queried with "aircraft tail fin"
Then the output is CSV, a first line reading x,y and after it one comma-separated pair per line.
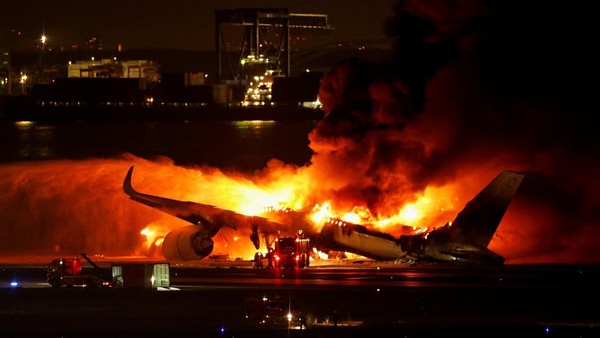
x,y
478,221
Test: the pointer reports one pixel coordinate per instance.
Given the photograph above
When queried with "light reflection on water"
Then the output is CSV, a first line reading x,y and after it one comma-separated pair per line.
x,y
254,124
253,128
34,140
245,145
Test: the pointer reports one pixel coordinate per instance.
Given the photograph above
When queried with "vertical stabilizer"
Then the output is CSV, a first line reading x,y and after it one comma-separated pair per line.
x,y
478,221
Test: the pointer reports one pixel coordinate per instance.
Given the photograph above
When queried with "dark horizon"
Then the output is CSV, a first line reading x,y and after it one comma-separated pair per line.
x,y
182,25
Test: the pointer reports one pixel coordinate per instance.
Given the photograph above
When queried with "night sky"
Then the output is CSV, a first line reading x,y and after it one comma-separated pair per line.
x,y
179,24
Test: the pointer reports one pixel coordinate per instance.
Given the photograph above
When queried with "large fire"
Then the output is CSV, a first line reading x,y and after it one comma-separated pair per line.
x,y
286,187
435,207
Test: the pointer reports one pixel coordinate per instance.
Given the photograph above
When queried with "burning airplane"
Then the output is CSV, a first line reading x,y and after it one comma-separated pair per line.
x,y
465,240
472,89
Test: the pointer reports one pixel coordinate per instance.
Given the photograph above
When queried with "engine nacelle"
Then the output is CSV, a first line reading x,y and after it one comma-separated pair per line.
x,y
186,243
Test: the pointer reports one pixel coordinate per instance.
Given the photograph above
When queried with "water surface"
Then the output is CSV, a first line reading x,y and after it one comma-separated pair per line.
x,y
245,145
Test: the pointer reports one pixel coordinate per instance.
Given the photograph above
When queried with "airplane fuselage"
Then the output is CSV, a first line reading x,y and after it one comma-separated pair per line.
x,y
430,247
342,236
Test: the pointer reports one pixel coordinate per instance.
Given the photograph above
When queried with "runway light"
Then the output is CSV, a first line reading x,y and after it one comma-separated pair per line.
x,y
14,284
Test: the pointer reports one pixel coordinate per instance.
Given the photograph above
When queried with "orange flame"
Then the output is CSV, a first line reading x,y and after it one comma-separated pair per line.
x,y
154,233
142,228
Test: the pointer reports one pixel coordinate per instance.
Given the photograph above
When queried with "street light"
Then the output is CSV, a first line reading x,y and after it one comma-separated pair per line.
x,y
23,82
43,40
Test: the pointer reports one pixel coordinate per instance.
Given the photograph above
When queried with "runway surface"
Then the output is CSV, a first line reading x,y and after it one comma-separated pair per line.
x,y
365,300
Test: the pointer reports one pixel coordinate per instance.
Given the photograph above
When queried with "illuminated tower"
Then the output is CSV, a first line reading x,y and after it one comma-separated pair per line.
x,y
264,51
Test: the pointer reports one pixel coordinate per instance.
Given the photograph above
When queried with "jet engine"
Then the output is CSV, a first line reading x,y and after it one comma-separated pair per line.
x,y
187,243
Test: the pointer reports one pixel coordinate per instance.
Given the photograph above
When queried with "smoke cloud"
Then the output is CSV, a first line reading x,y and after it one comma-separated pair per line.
x,y
475,87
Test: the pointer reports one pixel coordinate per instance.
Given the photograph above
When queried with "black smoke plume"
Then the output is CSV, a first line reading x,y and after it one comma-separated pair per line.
x,y
476,87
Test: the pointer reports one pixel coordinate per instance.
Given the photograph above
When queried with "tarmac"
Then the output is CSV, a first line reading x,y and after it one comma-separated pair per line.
x,y
211,300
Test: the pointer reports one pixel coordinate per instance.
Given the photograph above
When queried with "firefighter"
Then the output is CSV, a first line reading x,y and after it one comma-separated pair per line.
x,y
270,259
334,318
302,319
258,260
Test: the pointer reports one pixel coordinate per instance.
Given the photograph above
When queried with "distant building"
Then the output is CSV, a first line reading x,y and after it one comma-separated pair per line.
x,y
4,72
111,68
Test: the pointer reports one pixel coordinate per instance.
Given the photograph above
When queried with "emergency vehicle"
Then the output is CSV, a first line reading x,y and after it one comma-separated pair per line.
x,y
291,252
68,272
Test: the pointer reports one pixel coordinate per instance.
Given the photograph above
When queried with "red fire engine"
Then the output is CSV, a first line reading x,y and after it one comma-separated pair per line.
x,y
291,252
67,272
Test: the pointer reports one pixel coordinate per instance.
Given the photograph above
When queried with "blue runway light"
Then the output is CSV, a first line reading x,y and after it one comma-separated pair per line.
x,y
14,284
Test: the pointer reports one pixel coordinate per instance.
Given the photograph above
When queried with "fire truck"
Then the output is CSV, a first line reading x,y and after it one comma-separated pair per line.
x,y
68,272
291,252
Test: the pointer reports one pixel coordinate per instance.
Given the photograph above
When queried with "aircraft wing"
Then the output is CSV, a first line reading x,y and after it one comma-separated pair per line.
x,y
209,217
